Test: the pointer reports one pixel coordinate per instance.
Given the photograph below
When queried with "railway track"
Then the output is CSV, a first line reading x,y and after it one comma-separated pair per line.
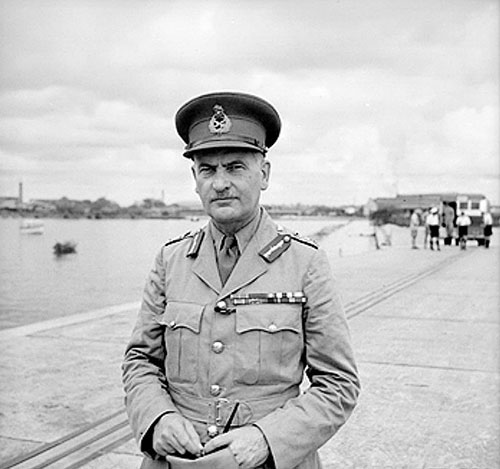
x,y
79,448
361,304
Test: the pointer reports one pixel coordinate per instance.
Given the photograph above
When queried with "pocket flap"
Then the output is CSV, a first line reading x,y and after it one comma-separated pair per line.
x,y
179,314
270,318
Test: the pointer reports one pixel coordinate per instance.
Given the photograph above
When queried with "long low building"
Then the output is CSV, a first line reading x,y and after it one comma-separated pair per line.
x,y
422,201
472,203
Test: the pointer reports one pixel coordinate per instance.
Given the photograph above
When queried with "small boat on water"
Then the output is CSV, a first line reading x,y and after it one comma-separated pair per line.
x,y
61,249
32,227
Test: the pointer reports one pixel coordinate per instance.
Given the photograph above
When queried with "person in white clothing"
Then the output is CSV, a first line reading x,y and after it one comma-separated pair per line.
x,y
487,228
432,222
414,224
463,223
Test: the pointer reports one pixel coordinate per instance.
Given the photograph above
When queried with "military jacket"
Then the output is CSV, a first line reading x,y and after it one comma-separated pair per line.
x,y
198,346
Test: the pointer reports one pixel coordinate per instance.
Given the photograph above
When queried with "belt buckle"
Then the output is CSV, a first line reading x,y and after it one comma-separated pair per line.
x,y
219,404
215,416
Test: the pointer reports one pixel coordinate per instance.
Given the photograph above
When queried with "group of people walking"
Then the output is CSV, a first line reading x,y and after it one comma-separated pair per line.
x,y
433,221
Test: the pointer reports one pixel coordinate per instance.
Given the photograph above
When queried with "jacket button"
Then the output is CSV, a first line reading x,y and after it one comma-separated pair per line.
x,y
273,328
217,347
215,389
221,307
212,431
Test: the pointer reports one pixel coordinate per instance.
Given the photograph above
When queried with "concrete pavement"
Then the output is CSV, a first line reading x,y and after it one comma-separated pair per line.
x,y
429,362
426,333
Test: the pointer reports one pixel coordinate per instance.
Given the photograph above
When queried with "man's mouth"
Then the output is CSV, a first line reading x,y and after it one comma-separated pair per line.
x,y
223,199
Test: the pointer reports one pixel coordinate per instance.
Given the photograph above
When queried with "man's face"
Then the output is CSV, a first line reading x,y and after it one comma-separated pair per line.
x,y
229,184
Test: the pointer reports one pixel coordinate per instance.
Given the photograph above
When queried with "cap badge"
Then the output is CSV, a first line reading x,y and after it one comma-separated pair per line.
x,y
219,122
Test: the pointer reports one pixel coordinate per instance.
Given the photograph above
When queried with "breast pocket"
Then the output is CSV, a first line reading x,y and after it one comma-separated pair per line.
x,y
182,323
269,343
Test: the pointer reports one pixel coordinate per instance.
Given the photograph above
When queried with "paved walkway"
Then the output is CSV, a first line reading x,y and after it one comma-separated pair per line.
x,y
426,333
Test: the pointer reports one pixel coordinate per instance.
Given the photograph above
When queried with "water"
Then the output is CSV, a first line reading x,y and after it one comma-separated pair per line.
x,y
110,267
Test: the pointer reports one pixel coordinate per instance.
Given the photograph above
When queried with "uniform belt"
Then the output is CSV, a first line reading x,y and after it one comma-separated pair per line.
x,y
217,411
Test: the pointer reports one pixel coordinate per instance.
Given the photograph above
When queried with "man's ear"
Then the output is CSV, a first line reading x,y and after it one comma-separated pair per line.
x,y
266,174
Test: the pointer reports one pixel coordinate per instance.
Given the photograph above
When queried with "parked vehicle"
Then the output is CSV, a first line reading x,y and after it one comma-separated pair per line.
x,y
473,205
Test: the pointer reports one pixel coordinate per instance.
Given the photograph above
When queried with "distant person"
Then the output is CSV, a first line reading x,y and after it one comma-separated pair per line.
x,y
487,228
414,224
235,313
448,222
433,223
463,223
386,231
425,214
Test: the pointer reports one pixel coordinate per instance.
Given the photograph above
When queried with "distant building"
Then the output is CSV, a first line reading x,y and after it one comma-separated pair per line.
x,y
13,203
9,203
409,202
283,211
43,206
185,209
397,209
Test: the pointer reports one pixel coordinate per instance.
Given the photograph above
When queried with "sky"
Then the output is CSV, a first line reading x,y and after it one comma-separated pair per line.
x,y
376,98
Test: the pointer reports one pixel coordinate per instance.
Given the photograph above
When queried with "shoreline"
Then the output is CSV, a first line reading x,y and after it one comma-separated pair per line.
x,y
201,216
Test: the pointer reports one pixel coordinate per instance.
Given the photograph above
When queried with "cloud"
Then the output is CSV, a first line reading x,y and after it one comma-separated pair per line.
x,y
376,96
460,143
55,120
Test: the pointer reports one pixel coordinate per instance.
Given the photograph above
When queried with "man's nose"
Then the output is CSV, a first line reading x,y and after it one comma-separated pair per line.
x,y
220,181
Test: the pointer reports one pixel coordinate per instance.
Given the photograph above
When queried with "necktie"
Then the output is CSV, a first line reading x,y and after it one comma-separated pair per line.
x,y
228,256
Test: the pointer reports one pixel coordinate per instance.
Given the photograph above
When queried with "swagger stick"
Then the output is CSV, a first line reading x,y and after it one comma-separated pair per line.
x,y
231,417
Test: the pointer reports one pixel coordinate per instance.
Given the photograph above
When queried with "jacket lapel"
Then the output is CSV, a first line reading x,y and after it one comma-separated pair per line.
x,y
250,265
205,264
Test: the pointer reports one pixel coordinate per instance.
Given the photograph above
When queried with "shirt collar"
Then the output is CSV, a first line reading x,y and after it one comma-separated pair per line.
x,y
243,235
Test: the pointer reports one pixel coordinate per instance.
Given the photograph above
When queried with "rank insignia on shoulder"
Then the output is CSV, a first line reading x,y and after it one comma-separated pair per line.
x,y
263,298
196,240
178,239
307,241
276,247
195,245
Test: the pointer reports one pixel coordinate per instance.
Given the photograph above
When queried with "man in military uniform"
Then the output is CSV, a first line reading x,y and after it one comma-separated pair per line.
x,y
235,314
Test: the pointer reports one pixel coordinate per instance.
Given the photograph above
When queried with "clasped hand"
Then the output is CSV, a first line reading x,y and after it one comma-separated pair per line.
x,y
175,434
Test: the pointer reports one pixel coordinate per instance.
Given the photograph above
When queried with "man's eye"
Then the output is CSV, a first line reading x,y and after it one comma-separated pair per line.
x,y
236,167
205,170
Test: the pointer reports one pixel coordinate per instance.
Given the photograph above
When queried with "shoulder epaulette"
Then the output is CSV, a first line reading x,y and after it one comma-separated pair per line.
x,y
297,237
178,239
194,246
307,241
